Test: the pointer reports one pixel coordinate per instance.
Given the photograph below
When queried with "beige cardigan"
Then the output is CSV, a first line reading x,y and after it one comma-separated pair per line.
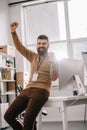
x,y
47,72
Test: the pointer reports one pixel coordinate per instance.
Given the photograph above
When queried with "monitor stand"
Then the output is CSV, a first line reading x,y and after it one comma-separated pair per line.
x,y
80,86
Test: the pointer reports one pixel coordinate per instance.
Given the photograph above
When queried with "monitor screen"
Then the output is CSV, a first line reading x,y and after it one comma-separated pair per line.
x,y
65,83
68,68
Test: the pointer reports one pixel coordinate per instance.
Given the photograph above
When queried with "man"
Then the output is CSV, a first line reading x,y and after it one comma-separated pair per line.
x,y
44,69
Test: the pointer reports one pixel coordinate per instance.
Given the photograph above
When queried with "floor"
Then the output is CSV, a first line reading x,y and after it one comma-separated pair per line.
x,y
58,126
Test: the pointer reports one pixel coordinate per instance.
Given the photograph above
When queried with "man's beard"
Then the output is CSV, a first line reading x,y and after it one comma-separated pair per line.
x,y
42,52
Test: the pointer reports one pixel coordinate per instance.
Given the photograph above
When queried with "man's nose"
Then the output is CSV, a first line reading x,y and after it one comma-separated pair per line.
x,y
41,45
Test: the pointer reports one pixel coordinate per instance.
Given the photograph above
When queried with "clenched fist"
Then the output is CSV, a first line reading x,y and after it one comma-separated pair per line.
x,y
13,26
52,57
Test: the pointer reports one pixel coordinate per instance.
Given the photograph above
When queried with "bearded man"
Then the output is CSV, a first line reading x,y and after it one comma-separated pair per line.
x,y
44,70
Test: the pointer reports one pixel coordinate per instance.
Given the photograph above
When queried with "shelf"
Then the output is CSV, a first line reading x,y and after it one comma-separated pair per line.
x,y
11,92
8,85
6,55
7,80
5,67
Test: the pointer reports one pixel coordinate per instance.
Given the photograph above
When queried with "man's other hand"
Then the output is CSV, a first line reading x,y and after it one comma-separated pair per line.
x,y
13,26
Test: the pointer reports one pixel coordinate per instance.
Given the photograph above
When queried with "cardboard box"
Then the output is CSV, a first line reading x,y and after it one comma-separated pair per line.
x,y
11,86
7,50
8,74
22,76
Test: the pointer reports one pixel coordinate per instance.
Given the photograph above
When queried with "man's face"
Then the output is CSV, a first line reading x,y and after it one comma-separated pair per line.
x,y
42,46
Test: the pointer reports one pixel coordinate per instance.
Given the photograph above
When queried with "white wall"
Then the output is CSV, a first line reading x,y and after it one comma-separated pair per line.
x,y
4,22
15,14
12,1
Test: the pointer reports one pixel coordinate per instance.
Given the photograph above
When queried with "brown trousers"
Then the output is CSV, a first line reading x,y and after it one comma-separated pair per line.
x,y
31,100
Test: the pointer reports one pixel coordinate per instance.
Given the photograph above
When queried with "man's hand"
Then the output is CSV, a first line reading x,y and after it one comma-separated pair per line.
x,y
13,26
53,66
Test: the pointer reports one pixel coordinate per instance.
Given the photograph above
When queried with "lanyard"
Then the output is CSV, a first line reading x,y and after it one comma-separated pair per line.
x,y
40,62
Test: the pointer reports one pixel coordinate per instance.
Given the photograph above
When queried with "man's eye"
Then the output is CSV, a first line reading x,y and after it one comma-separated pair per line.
x,y
39,43
44,43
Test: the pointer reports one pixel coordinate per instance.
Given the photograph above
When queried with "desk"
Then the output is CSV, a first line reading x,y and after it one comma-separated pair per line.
x,y
63,103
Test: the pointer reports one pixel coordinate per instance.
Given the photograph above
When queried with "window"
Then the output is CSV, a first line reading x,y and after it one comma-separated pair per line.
x,y
60,50
62,22
81,47
46,19
77,18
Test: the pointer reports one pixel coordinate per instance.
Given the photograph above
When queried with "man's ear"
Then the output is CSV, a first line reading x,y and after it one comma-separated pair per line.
x,y
48,45
36,46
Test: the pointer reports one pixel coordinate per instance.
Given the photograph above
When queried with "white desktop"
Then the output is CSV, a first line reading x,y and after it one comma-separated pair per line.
x,y
71,76
71,72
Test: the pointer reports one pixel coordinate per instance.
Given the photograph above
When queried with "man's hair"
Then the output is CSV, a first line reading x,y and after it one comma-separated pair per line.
x,y
43,37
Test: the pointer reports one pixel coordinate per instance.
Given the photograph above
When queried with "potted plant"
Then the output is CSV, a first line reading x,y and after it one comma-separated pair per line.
x,y
9,62
4,76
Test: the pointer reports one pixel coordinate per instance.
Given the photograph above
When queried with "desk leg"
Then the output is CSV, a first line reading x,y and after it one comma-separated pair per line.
x,y
64,116
39,120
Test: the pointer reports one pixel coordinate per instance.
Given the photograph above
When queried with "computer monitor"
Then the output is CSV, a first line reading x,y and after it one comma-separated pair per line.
x,y
84,54
71,72
69,67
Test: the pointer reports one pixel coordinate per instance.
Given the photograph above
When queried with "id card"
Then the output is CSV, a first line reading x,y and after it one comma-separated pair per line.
x,y
35,77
